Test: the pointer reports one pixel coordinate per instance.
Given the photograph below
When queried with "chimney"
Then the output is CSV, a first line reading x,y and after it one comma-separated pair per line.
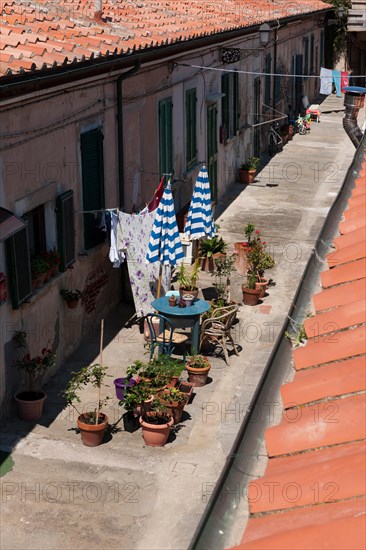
x,y
354,100
98,6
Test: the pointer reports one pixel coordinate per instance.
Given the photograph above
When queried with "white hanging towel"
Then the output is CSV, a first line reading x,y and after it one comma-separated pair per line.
x,y
116,256
326,81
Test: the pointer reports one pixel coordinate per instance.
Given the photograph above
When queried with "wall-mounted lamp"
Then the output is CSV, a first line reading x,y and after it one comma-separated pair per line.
x,y
233,55
264,32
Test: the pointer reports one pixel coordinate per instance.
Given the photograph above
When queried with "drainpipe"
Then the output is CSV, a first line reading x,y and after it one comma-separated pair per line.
x,y
121,176
275,68
354,100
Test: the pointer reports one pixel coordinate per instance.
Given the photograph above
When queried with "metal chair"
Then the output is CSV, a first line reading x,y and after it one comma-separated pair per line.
x,y
162,335
217,329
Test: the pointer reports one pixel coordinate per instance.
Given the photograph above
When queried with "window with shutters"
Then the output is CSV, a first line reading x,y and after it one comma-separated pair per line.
x,y
92,167
66,228
166,136
306,55
267,82
229,104
18,266
311,65
191,128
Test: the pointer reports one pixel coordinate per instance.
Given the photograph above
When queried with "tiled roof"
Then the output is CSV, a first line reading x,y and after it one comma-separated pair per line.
x,y
312,494
43,34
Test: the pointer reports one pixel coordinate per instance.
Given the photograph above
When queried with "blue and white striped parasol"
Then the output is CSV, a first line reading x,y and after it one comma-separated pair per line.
x,y
164,244
199,220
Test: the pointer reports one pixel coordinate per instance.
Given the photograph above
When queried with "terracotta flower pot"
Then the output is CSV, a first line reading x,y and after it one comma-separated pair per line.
x,y
262,286
92,434
198,376
175,409
30,404
155,435
247,176
40,280
190,292
207,264
242,250
250,296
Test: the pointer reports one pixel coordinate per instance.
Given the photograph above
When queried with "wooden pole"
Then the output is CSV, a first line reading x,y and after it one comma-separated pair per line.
x,y
101,364
159,281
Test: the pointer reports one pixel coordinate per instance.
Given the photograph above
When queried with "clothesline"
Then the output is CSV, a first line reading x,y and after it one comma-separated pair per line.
x,y
257,73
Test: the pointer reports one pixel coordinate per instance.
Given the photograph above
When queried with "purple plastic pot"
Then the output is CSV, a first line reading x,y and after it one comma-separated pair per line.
x,y
121,384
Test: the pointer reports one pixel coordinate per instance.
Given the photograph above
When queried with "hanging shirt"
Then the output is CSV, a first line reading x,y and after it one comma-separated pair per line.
x,y
337,82
133,234
116,256
326,81
344,80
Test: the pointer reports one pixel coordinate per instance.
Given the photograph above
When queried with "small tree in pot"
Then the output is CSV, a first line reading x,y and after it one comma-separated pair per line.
x,y
92,424
198,368
156,424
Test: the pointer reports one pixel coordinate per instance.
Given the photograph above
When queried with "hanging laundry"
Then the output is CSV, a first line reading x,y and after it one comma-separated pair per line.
x,y
344,80
326,81
154,203
337,82
133,233
116,256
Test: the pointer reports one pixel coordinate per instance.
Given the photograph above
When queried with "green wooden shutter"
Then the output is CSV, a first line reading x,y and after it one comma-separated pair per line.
x,y
19,271
166,135
306,56
225,103
267,88
191,125
311,54
66,228
236,113
93,185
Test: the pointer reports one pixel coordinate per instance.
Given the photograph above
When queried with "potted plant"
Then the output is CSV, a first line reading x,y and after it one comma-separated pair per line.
x,y
188,280
156,424
39,268
242,249
92,424
30,401
170,366
210,249
223,269
71,297
53,259
174,400
259,260
250,292
248,170
198,368
134,396
154,373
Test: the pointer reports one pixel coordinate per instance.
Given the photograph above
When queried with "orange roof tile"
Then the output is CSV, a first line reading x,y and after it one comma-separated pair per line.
x,y
345,273
146,23
340,295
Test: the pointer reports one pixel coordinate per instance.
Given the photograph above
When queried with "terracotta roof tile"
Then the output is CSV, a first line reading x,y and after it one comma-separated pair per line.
x,y
344,273
334,526
347,254
340,295
352,237
139,24
329,380
338,473
328,423
338,318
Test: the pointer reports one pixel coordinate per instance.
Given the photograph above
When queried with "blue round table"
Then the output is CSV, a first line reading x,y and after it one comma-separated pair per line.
x,y
183,316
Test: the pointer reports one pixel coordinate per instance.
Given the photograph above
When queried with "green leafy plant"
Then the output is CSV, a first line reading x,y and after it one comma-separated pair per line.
x,y
154,372
248,231
251,163
35,367
223,269
173,395
197,361
136,395
299,337
38,266
157,413
170,365
251,280
215,245
70,295
259,260
186,280
91,375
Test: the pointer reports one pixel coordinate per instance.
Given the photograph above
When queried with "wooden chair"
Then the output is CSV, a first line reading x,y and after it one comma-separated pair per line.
x,y
217,329
162,335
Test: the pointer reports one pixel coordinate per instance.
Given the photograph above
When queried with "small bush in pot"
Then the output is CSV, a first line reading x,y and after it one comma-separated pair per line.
x,y
211,249
156,423
92,424
198,368
31,400
174,400
248,170
187,280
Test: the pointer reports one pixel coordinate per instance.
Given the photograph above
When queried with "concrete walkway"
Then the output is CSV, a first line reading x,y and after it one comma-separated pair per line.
x,y
122,494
